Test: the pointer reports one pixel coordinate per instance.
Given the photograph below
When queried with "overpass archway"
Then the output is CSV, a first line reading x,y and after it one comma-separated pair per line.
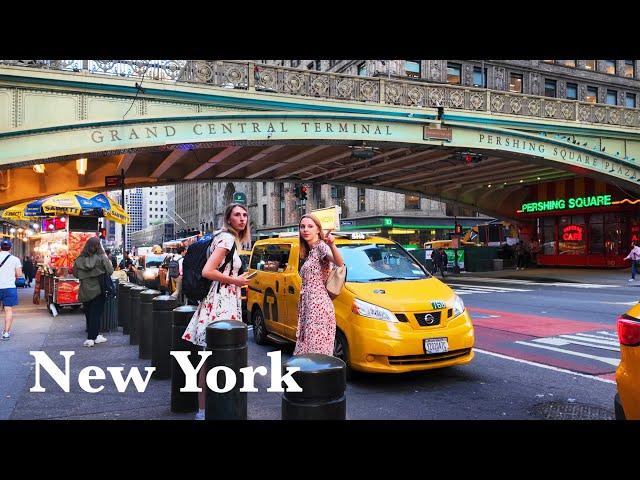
x,y
406,155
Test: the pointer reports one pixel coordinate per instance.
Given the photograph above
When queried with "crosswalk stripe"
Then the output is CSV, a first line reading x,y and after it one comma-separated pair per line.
x,y
610,361
604,338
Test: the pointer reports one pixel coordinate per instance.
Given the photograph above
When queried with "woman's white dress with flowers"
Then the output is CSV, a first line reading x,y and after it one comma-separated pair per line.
x,y
223,305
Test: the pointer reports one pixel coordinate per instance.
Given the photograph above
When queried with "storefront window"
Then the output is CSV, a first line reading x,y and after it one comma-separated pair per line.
x,y
614,225
596,234
571,235
549,235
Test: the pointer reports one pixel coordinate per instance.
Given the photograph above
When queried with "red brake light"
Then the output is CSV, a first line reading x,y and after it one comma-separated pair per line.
x,y
628,332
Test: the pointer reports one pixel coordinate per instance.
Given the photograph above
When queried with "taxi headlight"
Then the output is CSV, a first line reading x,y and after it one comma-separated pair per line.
x,y
372,311
458,306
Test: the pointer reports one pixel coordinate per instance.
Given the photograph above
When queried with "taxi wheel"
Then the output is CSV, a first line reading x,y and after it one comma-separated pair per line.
x,y
341,351
259,328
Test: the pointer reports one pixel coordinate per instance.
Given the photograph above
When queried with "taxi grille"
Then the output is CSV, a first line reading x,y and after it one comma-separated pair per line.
x,y
424,322
434,357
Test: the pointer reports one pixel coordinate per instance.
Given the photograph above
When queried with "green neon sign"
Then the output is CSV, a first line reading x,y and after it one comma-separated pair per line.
x,y
387,222
569,203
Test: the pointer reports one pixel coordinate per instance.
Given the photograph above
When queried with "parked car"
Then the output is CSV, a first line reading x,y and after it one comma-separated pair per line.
x,y
392,315
627,399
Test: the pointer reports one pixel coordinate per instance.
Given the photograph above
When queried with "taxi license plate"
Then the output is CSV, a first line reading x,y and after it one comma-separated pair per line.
x,y
436,345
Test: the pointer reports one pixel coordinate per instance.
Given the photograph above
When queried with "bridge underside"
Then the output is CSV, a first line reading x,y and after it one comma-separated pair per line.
x,y
494,185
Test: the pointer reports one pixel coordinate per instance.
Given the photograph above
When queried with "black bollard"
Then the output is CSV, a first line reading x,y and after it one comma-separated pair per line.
x,y
182,401
134,313
145,333
163,306
323,381
227,339
124,306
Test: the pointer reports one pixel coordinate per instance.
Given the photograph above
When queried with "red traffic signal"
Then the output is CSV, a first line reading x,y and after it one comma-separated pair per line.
x,y
303,192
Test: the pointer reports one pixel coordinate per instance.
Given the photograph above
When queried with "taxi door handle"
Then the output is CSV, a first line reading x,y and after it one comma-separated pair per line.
x,y
277,286
292,290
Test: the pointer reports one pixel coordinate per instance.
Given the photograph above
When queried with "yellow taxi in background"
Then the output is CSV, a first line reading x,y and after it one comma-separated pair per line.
x,y
392,315
245,255
627,400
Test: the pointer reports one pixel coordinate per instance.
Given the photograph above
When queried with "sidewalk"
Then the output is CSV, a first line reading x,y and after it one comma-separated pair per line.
x,y
35,329
547,274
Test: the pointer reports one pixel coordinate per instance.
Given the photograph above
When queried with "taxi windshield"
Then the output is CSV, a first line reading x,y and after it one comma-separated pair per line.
x,y
370,262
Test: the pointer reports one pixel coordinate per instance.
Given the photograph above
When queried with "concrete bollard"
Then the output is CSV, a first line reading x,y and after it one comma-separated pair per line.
x,y
145,333
124,306
163,306
323,381
182,401
134,313
227,339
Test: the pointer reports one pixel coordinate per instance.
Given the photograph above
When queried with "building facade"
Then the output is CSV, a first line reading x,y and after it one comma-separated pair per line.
x,y
154,205
612,82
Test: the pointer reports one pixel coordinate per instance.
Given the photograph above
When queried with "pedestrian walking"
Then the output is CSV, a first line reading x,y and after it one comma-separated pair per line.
x,y
435,261
223,302
520,255
316,315
634,256
443,261
111,257
29,270
88,267
10,269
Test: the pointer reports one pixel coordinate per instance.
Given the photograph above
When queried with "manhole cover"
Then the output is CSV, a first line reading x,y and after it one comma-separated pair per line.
x,y
572,411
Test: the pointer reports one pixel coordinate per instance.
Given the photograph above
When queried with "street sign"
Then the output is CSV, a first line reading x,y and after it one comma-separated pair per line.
x,y
346,223
113,181
240,198
444,134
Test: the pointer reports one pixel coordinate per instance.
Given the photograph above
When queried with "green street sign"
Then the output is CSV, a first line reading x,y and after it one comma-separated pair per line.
x,y
240,197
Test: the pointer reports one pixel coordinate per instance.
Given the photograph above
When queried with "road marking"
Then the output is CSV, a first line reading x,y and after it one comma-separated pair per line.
x,y
542,365
601,339
617,303
533,282
490,288
609,361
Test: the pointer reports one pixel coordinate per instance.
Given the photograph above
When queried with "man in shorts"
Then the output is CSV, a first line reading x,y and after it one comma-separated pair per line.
x,y
10,269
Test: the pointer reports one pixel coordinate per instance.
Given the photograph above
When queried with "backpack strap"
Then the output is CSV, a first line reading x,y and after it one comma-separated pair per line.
x,y
227,260
7,258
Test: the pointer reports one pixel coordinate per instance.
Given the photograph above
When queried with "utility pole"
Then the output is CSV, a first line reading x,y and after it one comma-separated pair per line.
x,y
124,227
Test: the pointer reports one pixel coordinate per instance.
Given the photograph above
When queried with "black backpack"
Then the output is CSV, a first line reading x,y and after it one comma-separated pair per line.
x,y
194,286
174,268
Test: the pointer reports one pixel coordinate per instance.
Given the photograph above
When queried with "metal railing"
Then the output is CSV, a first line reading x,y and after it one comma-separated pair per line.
x,y
325,85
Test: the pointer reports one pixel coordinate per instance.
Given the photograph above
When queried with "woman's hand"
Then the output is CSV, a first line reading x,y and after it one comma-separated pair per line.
x,y
240,281
328,238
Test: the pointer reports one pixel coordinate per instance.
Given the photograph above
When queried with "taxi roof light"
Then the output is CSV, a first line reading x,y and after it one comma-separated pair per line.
x,y
628,331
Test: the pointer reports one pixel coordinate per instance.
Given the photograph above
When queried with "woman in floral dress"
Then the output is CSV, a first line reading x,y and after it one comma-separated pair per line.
x,y
316,315
223,303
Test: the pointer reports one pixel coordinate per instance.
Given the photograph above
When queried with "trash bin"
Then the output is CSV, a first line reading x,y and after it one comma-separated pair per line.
x,y
109,321
498,264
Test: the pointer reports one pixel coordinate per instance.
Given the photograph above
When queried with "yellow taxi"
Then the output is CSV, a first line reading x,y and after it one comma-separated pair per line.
x,y
245,255
392,315
627,400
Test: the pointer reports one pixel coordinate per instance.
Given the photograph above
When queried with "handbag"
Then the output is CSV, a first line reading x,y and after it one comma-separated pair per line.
x,y
336,280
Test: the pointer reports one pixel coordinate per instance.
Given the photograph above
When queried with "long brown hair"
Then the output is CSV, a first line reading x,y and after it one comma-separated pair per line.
x,y
92,247
304,246
243,237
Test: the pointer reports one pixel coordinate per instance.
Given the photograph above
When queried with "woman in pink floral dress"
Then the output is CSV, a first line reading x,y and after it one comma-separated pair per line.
x,y
316,315
223,303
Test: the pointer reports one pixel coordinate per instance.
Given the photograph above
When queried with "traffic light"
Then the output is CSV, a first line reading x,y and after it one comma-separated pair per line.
x,y
102,232
458,229
303,192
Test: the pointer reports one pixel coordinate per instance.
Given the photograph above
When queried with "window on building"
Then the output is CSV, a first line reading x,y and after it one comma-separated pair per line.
x,y
264,214
411,202
479,77
572,91
630,100
362,205
337,191
550,88
318,65
590,64
264,188
628,70
362,69
607,66
567,63
454,75
592,95
295,63
412,68
611,98
515,82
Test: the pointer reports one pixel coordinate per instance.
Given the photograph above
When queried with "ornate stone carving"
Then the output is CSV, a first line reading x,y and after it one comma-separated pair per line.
x,y
500,73
599,113
614,116
416,95
368,91
628,117
392,93
566,110
293,82
436,70
265,78
235,75
515,104
436,97
535,84
497,103
477,101
534,107
584,112
550,109
345,88
204,72
468,75
456,99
